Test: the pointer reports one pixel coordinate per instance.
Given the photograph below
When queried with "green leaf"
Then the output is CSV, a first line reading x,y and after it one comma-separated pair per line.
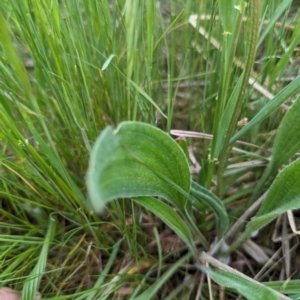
x,y
284,195
227,11
147,97
289,91
107,62
286,143
154,288
248,288
94,294
137,160
287,140
200,194
285,286
169,217
285,58
8,49
275,16
32,284
227,116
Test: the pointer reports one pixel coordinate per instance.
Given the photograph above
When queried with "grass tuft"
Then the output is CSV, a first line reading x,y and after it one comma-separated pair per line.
x,y
69,68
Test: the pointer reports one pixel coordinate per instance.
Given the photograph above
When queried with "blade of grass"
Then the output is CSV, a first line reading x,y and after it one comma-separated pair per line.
x,y
274,17
286,93
254,27
153,289
32,284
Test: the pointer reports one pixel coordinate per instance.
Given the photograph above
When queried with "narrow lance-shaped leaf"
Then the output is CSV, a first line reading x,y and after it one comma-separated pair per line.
x,y
32,284
286,56
147,97
152,290
274,18
107,62
289,91
227,116
287,140
227,11
12,56
231,278
286,143
284,195
136,160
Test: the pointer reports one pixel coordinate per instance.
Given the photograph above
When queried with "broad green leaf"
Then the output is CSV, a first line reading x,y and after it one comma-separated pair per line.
x,y
289,91
169,217
248,288
284,195
200,194
137,160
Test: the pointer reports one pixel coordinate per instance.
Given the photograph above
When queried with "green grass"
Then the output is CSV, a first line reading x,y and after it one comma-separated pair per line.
x,y
69,68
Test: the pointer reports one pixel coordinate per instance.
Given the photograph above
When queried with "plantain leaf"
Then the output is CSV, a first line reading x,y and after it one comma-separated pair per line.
x,y
284,195
200,194
136,160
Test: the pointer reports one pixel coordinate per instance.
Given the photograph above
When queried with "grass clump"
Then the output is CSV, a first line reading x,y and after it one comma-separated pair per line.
x,y
70,68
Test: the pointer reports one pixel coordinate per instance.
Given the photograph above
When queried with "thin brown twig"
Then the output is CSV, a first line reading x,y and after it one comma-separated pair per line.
x,y
201,135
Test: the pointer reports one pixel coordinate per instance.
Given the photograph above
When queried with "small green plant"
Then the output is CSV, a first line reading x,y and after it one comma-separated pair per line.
x,y
140,162
68,69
